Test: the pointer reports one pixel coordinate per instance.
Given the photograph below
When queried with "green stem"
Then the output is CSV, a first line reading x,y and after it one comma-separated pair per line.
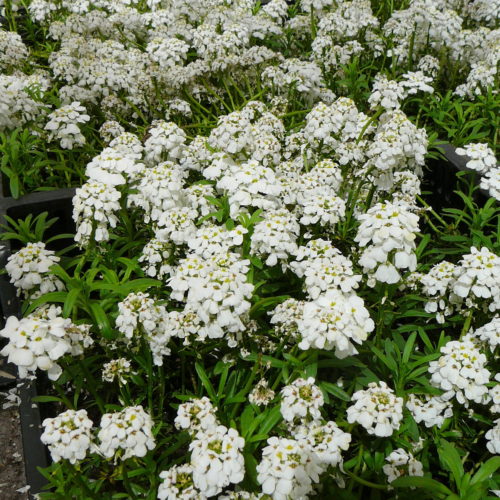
x,y
364,482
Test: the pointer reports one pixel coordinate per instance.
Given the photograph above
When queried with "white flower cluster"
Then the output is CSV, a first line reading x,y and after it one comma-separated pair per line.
x,y
216,288
301,400
275,236
493,438
377,409
432,411
127,433
63,125
141,317
489,334
287,469
178,484
387,233
68,435
196,415
95,206
217,459
324,268
334,321
29,270
116,369
40,339
261,394
461,372
402,463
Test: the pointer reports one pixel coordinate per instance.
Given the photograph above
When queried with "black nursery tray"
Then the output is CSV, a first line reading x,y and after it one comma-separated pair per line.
x,y
58,203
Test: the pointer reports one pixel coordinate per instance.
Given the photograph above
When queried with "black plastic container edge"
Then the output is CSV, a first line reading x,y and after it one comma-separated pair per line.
x,y
34,452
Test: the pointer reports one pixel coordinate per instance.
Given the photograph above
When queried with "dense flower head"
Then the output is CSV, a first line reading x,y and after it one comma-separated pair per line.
x,y
196,415
40,339
377,409
489,334
68,436
461,372
402,463
261,394
275,236
177,484
126,433
29,270
335,320
95,207
217,459
287,469
216,288
432,410
116,369
324,271
477,278
141,317
481,157
301,400
493,438
326,442
63,125
387,233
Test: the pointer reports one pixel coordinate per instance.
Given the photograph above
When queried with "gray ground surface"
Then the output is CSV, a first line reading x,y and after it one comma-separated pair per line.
x,y
11,458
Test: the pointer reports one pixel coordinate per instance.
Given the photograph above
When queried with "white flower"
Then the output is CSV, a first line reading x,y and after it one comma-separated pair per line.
x,y
286,316
335,320
116,369
140,316
491,182
94,210
377,409
216,289
325,441
29,270
42,338
217,459
461,372
324,268
211,239
155,258
196,415
129,430
416,81
489,333
63,125
402,463
432,411
68,435
250,185
178,484
166,141
287,469
386,93
177,225
387,233
275,236
301,400
481,157
493,438
477,278
261,394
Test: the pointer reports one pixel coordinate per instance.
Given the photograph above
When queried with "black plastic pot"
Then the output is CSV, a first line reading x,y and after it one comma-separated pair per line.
x,y
57,203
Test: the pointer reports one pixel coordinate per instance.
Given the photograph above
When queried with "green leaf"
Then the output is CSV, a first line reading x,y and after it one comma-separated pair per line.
x,y
101,319
422,482
486,470
58,297
70,301
205,381
335,390
451,460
